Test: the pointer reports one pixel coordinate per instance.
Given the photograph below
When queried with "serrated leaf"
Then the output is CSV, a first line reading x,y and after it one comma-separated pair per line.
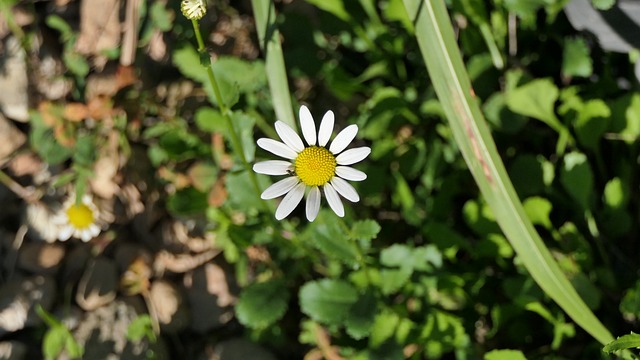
x,y
392,280
576,178
365,230
504,355
630,341
395,255
262,304
361,317
383,328
327,236
327,301
426,257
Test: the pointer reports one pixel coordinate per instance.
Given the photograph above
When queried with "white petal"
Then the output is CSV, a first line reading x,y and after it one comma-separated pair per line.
x,y
289,136
272,167
94,230
85,235
290,201
349,173
308,125
280,188
277,148
352,156
326,128
334,200
65,233
313,203
343,139
345,189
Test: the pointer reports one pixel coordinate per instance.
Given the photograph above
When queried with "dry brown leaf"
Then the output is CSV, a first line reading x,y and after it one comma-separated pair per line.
x,y
100,107
125,76
25,164
75,112
218,194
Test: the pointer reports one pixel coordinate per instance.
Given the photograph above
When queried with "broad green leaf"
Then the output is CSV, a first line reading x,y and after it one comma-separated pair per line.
x,y
241,191
262,304
362,315
536,99
243,125
630,304
591,123
425,258
616,193
576,60
504,355
161,17
45,144
248,76
210,120
577,179
630,341
74,349
538,210
439,49
392,280
395,255
327,300
479,217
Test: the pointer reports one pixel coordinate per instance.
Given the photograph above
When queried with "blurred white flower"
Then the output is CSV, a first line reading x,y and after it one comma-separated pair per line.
x,y
78,219
312,167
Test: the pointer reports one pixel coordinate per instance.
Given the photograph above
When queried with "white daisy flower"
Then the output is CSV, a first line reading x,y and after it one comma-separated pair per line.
x,y
312,167
78,220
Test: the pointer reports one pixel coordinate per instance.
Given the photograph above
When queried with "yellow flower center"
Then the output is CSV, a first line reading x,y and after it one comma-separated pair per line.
x,y
315,166
80,216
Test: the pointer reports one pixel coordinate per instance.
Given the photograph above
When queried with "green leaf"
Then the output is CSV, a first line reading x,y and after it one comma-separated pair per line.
x,y
616,193
335,7
536,99
576,178
188,201
241,190
630,304
327,300
326,235
576,60
365,230
43,141
392,280
54,341
603,4
161,17
262,304
74,349
383,328
244,125
395,255
210,120
504,355
439,49
538,210
592,122
57,23
76,63
85,151
139,328
362,315
248,76
630,341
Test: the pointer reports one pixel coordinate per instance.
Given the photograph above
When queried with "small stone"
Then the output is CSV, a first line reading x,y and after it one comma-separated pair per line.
x,y
18,301
169,305
98,284
41,258
10,138
15,103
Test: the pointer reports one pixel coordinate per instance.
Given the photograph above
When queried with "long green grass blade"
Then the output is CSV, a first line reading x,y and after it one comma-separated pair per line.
x,y
447,72
269,38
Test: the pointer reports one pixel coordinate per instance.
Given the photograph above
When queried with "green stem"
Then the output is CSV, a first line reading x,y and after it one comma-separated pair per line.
x,y
226,113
